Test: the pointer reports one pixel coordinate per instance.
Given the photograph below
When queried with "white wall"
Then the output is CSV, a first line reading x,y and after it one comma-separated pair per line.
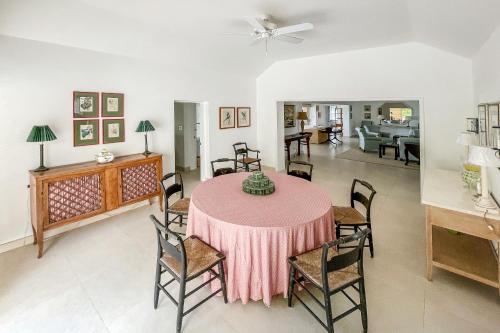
x,y
441,81
36,84
487,86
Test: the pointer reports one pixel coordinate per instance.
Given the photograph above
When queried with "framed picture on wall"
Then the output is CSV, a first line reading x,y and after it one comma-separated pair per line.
x,y
368,108
493,120
368,116
243,117
85,104
112,105
85,132
226,117
289,116
113,130
483,139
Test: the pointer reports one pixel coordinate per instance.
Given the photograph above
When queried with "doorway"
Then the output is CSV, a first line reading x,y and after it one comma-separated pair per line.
x,y
189,128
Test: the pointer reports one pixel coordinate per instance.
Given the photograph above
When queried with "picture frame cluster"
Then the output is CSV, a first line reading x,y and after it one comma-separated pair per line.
x,y
93,111
231,117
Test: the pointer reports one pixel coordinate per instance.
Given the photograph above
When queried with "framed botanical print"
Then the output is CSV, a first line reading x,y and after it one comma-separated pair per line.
x,y
226,117
112,105
289,116
483,125
113,130
493,121
473,125
368,116
243,117
85,132
85,104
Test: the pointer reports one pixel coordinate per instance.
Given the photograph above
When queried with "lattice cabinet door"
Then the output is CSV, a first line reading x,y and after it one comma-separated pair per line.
x,y
138,182
73,198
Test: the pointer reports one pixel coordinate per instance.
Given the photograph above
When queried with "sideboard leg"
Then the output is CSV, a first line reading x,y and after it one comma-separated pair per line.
x,y
34,234
40,244
160,197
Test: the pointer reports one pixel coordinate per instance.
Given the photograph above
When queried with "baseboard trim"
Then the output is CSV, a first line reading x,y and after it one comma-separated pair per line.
x,y
28,240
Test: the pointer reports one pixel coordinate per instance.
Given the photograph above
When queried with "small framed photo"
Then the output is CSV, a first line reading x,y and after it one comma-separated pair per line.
x,y
226,117
112,105
113,130
85,104
85,132
243,117
473,125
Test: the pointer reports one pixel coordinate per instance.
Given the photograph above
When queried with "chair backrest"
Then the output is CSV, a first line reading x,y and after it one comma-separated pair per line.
x,y
240,148
164,246
223,171
177,186
300,173
343,260
361,198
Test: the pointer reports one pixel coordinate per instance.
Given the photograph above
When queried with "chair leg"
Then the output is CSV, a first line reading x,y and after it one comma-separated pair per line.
x,y
180,306
370,240
291,285
337,231
157,282
222,278
364,310
328,310
180,223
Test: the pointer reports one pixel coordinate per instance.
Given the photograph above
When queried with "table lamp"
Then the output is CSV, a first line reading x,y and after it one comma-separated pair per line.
x,y
302,116
467,139
484,157
41,134
145,126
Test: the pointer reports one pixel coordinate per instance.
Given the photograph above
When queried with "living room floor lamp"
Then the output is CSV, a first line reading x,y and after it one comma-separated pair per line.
x,y
486,158
145,126
41,134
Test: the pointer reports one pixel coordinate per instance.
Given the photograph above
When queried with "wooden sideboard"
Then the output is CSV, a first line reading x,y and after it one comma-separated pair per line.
x,y
459,238
70,193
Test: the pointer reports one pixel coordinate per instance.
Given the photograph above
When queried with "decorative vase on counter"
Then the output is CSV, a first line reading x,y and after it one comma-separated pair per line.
x,y
104,156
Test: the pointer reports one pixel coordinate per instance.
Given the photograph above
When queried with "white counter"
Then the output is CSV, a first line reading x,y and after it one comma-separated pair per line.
x,y
445,189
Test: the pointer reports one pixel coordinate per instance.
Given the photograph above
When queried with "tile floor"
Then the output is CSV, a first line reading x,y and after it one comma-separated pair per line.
x,y
99,278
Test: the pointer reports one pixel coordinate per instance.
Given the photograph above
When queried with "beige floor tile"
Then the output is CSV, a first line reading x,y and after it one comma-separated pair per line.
x,y
99,278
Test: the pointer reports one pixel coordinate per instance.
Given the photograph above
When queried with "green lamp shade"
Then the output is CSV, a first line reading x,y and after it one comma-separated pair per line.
x,y
145,126
41,134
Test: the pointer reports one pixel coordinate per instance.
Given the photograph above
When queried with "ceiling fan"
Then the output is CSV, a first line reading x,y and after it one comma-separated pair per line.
x,y
265,30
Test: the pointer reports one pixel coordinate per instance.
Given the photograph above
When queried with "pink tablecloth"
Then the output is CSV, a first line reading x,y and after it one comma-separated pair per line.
x,y
258,234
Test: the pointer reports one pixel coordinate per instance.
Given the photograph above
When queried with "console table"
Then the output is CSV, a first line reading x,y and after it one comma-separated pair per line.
x,y
297,137
458,237
70,193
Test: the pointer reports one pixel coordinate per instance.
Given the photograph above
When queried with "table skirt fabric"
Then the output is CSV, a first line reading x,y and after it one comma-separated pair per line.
x,y
256,257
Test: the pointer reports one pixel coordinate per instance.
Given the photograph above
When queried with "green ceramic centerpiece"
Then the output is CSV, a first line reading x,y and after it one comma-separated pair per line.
x,y
258,184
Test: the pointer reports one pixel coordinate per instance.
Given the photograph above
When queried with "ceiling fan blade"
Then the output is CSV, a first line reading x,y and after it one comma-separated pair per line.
x,y
255,23
293,28
289,39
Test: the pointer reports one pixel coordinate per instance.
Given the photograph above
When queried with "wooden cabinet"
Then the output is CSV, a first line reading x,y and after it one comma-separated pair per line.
x,y
70,193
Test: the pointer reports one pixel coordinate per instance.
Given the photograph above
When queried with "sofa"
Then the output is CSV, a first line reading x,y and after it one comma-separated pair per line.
x,y
369,142
402,142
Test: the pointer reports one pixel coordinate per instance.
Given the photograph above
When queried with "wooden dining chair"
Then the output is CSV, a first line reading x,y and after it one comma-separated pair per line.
x,y
243,159
184,262
179,209
299,173
224,170
331,272
349,218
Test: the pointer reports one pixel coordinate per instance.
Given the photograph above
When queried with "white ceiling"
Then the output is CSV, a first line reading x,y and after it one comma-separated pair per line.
x,y
196,31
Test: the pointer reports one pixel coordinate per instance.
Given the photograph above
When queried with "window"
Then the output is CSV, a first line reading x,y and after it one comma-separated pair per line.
x,y
400,114
335,114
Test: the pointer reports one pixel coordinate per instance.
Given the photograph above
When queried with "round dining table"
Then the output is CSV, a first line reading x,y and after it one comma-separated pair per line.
x,y
258,233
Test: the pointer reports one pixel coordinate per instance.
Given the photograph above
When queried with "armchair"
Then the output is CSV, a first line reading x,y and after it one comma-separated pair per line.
x,y
369,142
